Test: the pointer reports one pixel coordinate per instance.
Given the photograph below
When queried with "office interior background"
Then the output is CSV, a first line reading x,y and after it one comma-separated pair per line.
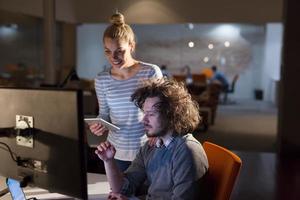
x,y
248,38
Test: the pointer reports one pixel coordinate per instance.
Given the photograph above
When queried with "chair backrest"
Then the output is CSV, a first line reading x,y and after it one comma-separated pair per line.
x,y
179,78
199,78
234,79
224,167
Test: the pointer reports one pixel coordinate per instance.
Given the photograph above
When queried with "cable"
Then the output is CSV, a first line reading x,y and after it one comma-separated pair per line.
x,y
7,132
10,151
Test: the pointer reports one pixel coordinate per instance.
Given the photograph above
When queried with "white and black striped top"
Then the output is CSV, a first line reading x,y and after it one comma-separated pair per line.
x,y
115,106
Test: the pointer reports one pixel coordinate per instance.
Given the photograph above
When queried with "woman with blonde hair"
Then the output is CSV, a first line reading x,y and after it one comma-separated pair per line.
x,y
114,87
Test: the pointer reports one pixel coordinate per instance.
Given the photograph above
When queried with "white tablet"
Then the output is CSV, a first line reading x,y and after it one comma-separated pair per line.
x,y
105,123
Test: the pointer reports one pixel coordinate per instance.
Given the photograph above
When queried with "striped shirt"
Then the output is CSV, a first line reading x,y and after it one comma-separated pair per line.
x,y
114,98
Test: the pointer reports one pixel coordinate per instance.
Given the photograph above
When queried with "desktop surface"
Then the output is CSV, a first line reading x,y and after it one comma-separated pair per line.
x,y
98,189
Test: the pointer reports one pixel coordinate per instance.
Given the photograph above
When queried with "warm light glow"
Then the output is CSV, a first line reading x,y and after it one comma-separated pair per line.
x,y
206,59
226,31
8,30
227,44
191,44
191,26
210,46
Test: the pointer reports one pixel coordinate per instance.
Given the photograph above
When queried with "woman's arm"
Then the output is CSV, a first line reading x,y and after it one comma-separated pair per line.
x,y
97,128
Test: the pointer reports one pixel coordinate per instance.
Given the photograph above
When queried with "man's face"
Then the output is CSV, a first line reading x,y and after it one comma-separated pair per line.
x,y
151,119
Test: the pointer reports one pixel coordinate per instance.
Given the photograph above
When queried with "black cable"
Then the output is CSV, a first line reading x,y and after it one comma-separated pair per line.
x,y
10,151
7,132
4,192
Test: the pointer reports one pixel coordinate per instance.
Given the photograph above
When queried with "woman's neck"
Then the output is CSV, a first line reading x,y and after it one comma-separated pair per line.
x,y
126,72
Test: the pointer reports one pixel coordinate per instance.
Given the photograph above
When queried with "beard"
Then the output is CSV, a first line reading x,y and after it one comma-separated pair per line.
x,y
162,131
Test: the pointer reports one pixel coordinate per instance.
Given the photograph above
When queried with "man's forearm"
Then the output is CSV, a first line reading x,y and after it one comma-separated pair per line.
x,y
114,175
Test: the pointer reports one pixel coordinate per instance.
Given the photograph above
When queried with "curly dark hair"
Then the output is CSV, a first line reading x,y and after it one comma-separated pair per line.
x,y
178,111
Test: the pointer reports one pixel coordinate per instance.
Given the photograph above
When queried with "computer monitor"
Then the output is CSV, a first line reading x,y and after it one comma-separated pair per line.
x,y
44,129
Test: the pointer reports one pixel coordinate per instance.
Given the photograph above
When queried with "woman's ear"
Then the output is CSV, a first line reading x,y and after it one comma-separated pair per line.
x,y
132,47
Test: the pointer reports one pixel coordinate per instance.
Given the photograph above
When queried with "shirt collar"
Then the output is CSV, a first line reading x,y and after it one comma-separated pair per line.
x,y
165,140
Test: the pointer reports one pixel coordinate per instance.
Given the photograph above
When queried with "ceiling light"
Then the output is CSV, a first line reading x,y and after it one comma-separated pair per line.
x,y
191,26
227,44
191,44
206,59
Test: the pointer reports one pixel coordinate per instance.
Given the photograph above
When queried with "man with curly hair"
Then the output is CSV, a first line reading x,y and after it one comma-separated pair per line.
x,y
175,166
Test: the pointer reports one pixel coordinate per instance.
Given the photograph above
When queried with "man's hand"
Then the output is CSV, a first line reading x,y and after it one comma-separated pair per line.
x,y
116,196
152,141
105,151
98,129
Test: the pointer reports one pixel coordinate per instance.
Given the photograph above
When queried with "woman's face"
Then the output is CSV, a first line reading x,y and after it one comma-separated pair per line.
x,y
118,52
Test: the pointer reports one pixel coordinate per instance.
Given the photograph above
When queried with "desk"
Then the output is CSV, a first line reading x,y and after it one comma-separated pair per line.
x,y
98,189
196,88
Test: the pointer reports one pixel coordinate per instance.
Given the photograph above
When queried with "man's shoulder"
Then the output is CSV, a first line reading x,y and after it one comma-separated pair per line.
x,y
191,150
187,143
188,139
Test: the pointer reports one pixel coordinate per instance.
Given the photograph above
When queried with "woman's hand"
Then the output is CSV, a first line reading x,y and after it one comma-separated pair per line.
x,y
116,196
152,141
105,151
98,129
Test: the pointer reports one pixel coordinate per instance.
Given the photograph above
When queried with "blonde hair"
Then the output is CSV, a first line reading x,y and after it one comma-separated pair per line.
x,y
119,29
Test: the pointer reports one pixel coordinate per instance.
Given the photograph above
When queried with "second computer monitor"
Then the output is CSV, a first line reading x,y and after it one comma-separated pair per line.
x,y
53,157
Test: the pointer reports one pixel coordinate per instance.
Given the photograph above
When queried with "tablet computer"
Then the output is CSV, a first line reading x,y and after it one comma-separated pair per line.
x,y
105,123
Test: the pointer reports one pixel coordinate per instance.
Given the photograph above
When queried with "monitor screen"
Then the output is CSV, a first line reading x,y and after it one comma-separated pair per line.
x,y
15,189
44,130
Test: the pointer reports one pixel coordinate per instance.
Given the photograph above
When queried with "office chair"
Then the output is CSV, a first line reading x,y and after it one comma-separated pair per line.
x,y
72,76
179,78
224,167
230,89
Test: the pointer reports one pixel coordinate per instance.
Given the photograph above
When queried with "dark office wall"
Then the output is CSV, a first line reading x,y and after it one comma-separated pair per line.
x,y
156,11
21,42
289,105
